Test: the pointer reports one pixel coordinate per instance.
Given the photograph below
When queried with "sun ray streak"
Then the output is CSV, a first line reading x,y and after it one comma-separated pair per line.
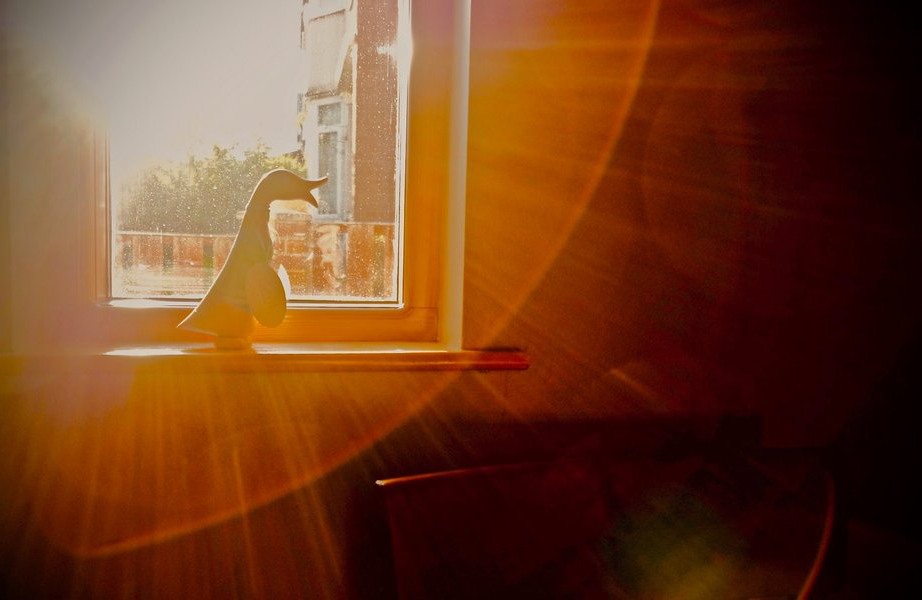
x,y
250,555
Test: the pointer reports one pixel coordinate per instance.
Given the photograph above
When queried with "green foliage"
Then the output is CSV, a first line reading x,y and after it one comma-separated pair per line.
x,y
200,195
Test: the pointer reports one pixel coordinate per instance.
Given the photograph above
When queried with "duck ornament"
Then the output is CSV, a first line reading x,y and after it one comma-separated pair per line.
x,y
247,288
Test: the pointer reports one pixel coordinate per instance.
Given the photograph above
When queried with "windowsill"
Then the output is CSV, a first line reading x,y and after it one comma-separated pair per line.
x,y
276,358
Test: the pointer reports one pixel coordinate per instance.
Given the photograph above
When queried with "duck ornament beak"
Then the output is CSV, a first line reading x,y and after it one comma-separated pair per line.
x,y
247,288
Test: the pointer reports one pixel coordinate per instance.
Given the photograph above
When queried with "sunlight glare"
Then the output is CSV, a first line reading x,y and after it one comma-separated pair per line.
x,y
160,84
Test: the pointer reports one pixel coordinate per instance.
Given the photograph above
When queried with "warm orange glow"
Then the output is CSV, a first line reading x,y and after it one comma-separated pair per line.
x,y
523,110
156,454
676,214
185,450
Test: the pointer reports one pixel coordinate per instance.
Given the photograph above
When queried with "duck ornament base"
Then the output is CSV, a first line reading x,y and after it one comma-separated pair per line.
x,y
247,289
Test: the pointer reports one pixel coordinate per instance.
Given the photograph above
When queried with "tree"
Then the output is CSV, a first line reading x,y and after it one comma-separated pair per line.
x,y
199,195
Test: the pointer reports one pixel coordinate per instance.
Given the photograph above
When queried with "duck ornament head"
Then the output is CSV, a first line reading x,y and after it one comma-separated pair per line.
x,y
247,288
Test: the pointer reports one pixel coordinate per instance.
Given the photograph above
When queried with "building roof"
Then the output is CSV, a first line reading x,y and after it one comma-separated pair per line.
x,y
327,43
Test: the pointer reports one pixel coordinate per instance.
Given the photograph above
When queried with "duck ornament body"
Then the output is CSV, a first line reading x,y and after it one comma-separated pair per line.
x,y
247,288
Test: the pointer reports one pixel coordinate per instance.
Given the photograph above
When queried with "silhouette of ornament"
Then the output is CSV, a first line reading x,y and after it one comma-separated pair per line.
x,y
248,289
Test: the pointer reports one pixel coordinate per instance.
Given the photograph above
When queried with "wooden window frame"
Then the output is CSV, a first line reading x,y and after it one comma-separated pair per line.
x,y
432,221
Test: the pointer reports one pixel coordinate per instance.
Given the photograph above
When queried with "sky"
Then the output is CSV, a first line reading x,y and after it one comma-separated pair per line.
x,y
172,76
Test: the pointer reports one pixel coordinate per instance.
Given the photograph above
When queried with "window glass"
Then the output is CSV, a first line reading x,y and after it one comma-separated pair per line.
x,y
266,84
329,114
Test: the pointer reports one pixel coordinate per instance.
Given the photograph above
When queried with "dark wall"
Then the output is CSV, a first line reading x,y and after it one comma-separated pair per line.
x,y
749,244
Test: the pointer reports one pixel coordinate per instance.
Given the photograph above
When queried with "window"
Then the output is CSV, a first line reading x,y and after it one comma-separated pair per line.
x,y
329,152
170,203
413,305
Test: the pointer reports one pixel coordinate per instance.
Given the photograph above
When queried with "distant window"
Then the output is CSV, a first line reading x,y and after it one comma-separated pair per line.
x,y
329,147
330,114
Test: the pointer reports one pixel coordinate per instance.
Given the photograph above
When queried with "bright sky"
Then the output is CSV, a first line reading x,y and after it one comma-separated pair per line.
x,y
170,76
